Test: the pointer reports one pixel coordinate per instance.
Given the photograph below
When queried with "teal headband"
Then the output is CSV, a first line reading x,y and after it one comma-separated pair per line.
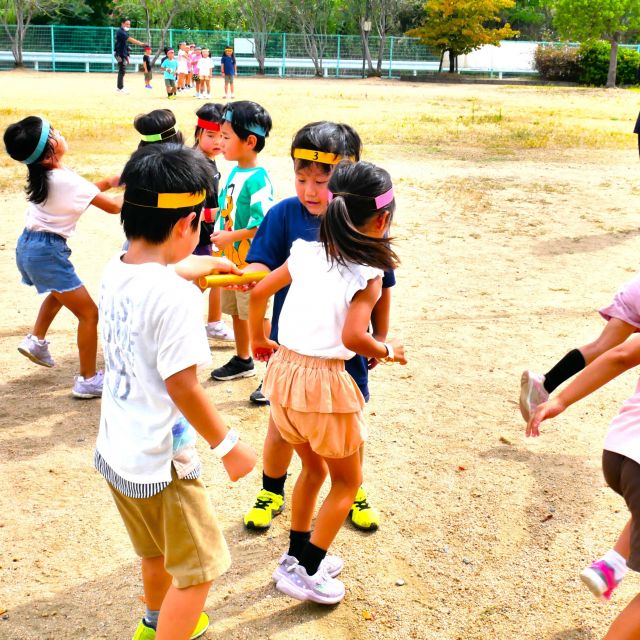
x,y
252,127
44,136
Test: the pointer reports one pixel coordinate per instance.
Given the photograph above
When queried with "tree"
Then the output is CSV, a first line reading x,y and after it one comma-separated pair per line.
x,y
312,19
610,20
22,13
532,18
461,26
261,16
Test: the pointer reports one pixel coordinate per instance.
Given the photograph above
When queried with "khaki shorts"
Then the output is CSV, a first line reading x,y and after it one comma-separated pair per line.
x,y
236,303
179,524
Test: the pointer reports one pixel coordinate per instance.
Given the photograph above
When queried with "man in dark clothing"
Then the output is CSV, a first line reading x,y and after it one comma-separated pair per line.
x,y
121,51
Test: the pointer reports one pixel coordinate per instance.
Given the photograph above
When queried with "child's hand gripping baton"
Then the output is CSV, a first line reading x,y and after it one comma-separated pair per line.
x,y
226,279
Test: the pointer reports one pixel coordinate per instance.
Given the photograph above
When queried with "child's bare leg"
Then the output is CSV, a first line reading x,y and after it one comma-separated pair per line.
x,y
627,625
276,453
615,332
48,311
241,332
180,611
307,488
155,582
623,544
215,305
79,302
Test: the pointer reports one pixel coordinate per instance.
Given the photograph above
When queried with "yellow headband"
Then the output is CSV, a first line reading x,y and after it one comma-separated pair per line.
x,y
152,200
319,156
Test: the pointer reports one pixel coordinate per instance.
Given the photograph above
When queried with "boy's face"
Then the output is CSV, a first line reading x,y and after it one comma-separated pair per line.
x,y
170,54
210,142
312,189
232,147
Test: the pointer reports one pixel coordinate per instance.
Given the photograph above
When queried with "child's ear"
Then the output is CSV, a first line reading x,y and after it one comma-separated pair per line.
x,y
184,224
382,222
252,141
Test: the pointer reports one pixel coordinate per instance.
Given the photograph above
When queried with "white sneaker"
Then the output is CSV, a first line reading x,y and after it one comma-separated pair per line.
x,y
36,350
333,565
196,95
320,587
220,331
88,387
532,393
123,90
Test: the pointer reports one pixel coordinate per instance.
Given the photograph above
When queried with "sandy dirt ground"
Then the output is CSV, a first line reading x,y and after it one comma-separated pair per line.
x,y
517,218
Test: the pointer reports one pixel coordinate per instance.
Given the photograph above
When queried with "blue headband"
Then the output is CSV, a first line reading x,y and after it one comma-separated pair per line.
x,y
252,127
44,136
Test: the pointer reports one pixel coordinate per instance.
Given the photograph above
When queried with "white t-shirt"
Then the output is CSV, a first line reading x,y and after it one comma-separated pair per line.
x,y
68,198
204,67
151,326
315,309
623,436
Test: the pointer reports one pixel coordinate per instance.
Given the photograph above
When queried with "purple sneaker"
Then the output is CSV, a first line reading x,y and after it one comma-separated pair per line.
x,y
320,587
532,393
36,350
88,387
333,565
599,577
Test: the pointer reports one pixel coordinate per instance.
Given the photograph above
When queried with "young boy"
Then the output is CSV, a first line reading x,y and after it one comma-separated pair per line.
x,y
228,68
153,340
170,68
244,202
146,67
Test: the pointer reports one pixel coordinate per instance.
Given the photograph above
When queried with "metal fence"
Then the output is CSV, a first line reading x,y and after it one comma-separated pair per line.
x,y
68,48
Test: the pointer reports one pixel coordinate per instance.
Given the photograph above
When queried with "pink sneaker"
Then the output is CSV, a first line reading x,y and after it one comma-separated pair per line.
x,y
532,393
599,577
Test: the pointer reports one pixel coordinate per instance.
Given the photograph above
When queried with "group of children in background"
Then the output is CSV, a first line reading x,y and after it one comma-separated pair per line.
x,y
191,69
331,263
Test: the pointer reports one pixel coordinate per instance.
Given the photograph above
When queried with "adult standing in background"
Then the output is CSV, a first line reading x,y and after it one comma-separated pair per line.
x,y
121,51
228,70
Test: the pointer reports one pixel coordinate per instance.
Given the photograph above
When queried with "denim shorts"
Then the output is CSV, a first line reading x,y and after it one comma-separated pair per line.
x,y
43,261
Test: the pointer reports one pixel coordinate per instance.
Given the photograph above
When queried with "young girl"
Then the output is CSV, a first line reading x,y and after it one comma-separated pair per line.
x,y
195,70
623,319
209,140
205,67
316,149
183,65
315,404
620,459
157,126
57,198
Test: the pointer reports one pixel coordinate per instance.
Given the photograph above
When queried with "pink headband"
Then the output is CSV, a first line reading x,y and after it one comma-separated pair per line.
x,y
380,201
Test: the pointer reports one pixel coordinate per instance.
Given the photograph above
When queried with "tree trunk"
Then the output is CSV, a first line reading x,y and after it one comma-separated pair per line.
x,y
453,57
613,62
441,61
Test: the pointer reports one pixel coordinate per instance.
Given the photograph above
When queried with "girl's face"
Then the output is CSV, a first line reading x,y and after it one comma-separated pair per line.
x,y
210,143
58,144
312,189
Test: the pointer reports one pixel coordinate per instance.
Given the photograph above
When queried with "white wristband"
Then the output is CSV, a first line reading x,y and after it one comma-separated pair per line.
x,y
229,441
390,354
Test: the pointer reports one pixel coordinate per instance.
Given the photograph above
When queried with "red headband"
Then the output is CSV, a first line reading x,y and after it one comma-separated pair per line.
x,y
207,124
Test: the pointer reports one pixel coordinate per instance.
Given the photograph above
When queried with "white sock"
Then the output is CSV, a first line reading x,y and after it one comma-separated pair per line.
x,y
617,563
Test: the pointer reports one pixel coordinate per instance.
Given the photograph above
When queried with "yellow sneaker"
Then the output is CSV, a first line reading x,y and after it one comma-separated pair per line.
x,y
144,632
267,505
364,516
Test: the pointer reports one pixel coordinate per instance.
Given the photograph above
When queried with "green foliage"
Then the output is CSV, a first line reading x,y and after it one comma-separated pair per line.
x,y
558,63
594,63
628,64
532,18
597,19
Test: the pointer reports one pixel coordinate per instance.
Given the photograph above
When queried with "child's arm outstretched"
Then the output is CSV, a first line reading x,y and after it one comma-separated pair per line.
x,y
190,398
193,267
602,370
109,204
260,294
354,333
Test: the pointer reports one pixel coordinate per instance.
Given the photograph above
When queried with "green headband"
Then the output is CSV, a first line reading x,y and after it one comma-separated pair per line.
x,y
159,137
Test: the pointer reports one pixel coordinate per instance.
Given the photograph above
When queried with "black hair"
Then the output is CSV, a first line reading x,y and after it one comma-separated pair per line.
x,y
355,187
211,112
20,141
165,168
246,113
125,19
157,121
328,137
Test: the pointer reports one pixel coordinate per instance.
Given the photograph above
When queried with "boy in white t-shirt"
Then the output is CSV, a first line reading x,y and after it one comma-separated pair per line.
x,y
153,340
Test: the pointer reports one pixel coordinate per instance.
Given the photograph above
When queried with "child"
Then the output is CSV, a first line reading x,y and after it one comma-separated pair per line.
x,y
183,65
228,68
205,67
195,71
620,465
190,51
244,202
209,140
146,67
623,319
170,68
153,340
299,218
57,198
157,126
316,405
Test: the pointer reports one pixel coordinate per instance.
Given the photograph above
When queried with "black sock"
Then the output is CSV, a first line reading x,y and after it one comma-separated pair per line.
x,y
275,485
567,367
297,542
311,557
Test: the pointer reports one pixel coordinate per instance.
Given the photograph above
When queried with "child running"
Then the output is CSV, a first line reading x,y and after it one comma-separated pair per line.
x,y
244,202
153,340
316,405
621,469
209,141
623,319
57,198
316,149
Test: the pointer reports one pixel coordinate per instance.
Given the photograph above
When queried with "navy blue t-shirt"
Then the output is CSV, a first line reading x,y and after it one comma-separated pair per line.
x,y
121,47
285,223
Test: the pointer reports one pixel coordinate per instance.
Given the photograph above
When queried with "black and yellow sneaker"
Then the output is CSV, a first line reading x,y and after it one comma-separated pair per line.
x,y
363,515
267,505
